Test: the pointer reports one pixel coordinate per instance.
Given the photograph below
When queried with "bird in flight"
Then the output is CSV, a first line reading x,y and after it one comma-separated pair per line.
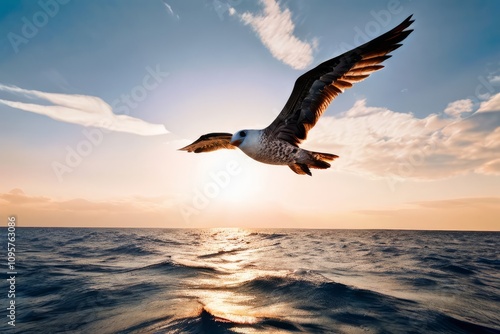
x,y
278,144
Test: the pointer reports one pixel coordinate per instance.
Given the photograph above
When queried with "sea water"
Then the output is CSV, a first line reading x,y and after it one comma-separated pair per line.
x,y
73,280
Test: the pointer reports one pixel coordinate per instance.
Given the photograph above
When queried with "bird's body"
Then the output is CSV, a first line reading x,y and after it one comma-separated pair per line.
x,y
267,150
312,93
258,145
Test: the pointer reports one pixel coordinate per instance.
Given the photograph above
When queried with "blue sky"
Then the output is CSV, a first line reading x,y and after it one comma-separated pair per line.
x,y
173,70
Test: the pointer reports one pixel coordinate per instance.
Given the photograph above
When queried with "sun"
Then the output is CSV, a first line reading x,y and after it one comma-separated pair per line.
x,y
230,177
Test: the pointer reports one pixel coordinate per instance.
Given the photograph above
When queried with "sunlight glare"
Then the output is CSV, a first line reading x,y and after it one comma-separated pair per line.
x,y
230,176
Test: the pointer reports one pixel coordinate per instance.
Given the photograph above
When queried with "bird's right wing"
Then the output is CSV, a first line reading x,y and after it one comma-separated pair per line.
x,y
314,90
210,142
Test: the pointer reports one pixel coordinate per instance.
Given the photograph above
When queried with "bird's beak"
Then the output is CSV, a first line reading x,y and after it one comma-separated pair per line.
x,y
236,142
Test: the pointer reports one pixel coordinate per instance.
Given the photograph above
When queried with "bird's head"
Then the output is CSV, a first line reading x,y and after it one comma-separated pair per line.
x,y
245,138
239,137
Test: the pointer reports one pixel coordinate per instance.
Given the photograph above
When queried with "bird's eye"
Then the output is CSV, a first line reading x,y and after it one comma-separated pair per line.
x,y
243,133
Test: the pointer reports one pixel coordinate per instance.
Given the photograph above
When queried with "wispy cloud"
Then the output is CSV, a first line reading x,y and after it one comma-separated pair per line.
x,y
81,109
495,79
458,107
494,76
492,104
381,143
474,202
171,11
275,28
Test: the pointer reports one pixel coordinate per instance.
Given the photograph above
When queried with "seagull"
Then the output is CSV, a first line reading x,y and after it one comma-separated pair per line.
x,y
278,144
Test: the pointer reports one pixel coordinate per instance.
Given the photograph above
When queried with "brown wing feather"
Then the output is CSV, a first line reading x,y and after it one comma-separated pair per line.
x,y
210,142
314,90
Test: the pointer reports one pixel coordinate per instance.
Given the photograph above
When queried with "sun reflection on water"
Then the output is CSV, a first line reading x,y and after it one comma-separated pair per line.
x,y
230,259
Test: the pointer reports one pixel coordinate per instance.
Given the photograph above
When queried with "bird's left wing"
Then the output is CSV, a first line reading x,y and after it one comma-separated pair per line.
x,y
314,90
210,142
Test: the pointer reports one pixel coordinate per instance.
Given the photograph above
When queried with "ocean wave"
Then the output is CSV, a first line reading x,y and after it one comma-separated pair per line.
x,y
495,263
178,264
129,250
421,282
269,236
220,253
454,268
162,265
157,241
207,321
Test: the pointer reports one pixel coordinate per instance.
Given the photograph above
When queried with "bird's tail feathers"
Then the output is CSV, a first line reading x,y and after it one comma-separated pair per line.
x,y
323,156
315,160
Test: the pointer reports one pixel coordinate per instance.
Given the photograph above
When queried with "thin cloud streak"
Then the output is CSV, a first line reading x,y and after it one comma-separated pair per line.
x,y
118,212
171,11
448,214
275,29
83,110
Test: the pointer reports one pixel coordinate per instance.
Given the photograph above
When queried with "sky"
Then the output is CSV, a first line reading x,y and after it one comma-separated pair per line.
x,y
96,98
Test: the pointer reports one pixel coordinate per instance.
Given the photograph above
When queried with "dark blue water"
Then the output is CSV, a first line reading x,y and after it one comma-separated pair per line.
x,y
255,281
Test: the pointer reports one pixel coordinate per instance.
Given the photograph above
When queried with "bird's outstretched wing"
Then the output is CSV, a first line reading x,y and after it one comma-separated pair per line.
x,y
314,90
210,142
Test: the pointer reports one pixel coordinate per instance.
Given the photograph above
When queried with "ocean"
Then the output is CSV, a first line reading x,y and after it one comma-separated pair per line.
x,y
75,280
